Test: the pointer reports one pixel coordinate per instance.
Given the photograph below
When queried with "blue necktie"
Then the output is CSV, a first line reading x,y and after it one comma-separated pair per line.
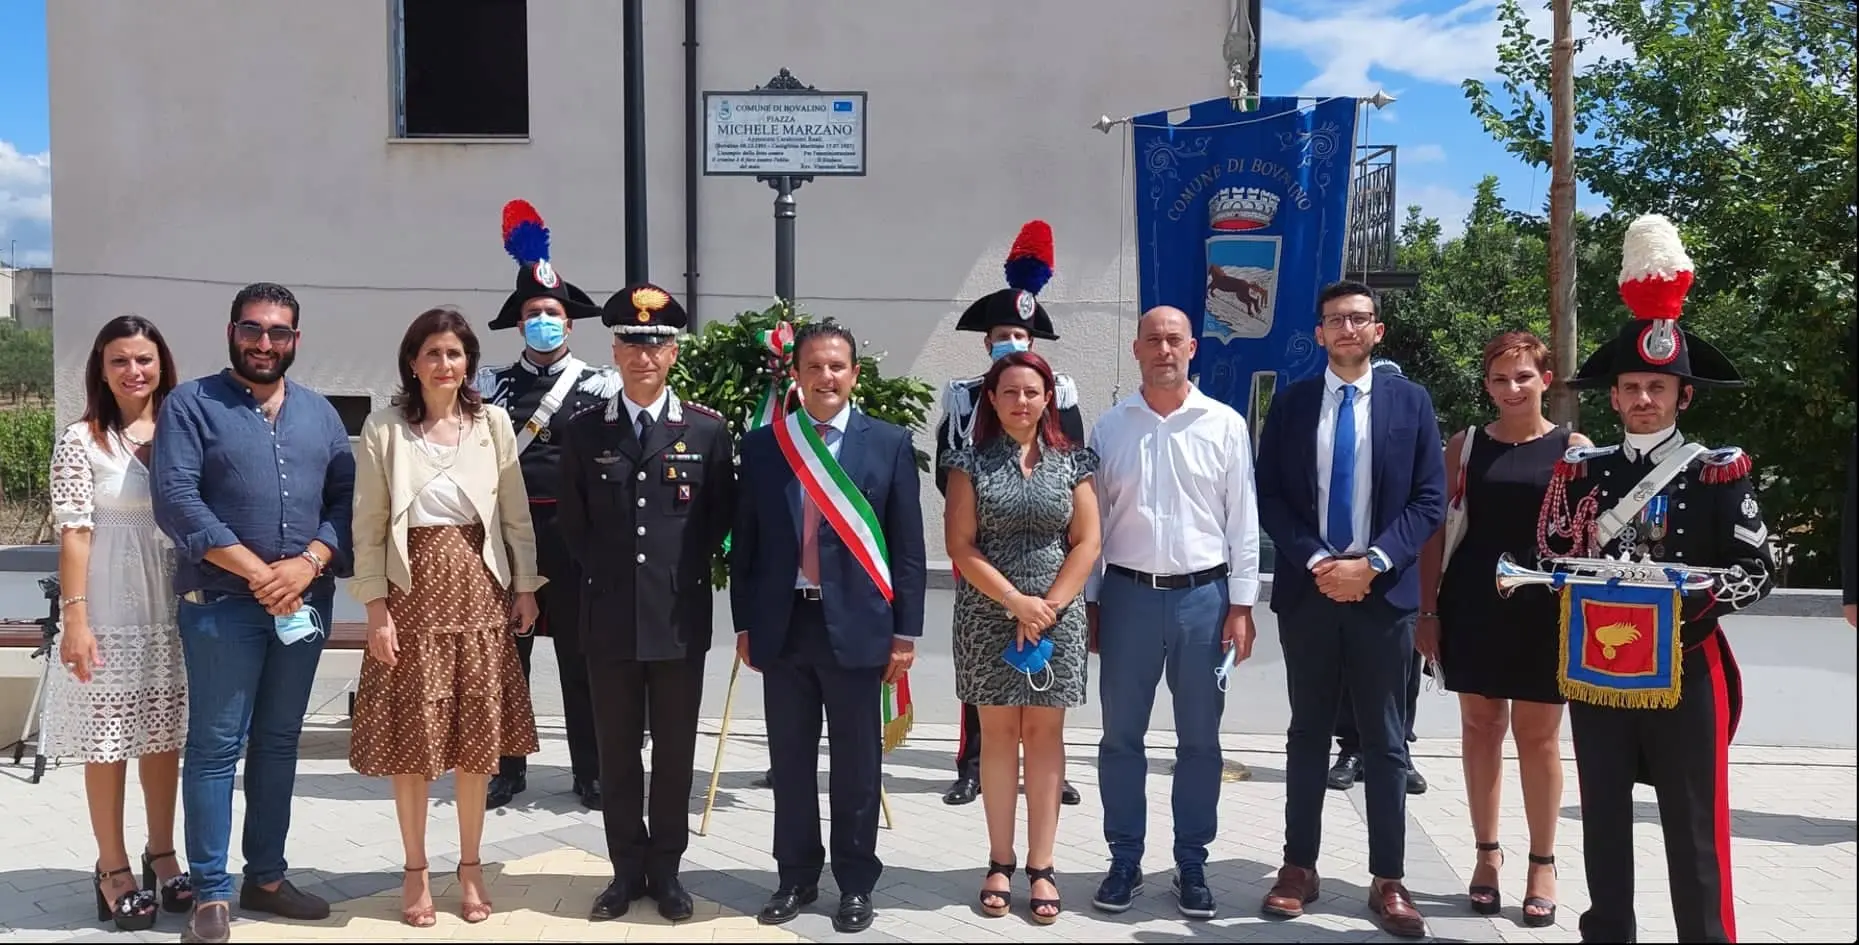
x,y
1343,473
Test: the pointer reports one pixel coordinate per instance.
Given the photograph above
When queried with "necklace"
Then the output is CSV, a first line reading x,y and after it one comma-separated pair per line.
x,y
135,441
442,456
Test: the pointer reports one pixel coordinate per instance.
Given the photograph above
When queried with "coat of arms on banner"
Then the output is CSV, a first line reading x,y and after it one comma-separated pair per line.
x,y
1242,268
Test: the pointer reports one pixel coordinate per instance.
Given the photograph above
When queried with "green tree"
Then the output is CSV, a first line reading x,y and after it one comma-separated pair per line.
x,y
25,361
1737,119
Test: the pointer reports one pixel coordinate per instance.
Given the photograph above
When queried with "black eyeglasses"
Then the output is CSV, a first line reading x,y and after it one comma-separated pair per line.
x,y
250,332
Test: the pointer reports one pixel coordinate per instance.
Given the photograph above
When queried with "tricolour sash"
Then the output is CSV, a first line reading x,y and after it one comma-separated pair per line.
x,y
1620,645
843,506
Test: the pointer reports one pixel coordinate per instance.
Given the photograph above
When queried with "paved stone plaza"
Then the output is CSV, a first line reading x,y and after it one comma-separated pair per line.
x,y
1794,844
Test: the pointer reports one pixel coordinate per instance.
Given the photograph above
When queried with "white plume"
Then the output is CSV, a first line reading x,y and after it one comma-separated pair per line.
x,y
1652,249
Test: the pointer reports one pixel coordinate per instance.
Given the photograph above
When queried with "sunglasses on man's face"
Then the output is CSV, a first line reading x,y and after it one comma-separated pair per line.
x,y
250,332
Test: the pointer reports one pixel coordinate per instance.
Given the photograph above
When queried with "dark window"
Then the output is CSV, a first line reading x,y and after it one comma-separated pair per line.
x,y
464,68
353,409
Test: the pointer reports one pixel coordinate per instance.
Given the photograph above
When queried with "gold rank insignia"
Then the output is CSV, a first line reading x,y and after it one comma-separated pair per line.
x,y
648,300
679,447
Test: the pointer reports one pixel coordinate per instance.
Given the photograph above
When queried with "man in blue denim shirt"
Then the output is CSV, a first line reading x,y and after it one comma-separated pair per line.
x,y
253,479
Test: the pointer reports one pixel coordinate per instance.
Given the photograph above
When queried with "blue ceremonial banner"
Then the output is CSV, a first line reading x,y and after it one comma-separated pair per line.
x,y
1241,220
1621,645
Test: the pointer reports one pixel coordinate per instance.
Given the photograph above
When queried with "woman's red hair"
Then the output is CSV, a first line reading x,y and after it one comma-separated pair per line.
x,y
988,423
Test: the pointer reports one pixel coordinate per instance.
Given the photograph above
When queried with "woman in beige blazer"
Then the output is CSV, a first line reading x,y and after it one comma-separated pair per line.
x,y
445,561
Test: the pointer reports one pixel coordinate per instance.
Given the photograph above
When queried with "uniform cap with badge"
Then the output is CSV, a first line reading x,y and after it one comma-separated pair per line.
x,y
1655,275
526,239
644,314
1028,269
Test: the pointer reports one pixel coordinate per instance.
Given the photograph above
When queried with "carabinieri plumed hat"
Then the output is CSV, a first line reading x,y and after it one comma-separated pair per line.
x,y
1028,269
526,239
1655,275
644,314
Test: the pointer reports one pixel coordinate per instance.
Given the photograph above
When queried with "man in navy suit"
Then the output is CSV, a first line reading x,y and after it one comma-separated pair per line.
x,y
1351,483
827,612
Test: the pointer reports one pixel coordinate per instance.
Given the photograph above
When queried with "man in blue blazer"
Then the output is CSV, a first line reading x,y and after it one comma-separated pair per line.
x,y
827,576
1351,482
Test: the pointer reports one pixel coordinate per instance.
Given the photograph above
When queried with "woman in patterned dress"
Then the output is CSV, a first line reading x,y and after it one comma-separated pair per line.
x,y
1022,528
445,562
125,693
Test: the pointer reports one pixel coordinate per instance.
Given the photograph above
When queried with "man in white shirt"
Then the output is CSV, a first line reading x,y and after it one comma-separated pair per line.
x,y
1352,483
1180,575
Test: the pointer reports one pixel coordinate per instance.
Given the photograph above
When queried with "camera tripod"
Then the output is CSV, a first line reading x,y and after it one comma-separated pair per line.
x,y
48,651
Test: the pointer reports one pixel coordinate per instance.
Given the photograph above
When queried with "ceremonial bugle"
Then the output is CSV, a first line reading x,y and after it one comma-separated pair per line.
x,y
1688,578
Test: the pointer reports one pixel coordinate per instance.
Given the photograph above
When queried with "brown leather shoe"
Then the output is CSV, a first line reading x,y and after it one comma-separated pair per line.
x,y
1296,888
1394,909
211,922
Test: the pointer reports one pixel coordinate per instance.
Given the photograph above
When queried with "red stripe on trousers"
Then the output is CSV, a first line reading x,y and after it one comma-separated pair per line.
x,y
1720,801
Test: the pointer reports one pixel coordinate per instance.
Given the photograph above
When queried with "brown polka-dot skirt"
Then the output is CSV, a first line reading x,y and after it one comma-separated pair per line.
x,y
456,697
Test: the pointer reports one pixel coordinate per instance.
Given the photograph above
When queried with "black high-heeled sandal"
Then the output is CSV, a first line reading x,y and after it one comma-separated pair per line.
x,y
1035,903
1495,904
1534,920
133,911
177,894
997,903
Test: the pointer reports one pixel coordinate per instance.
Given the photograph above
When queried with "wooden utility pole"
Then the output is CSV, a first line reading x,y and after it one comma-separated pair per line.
x,y
1564,405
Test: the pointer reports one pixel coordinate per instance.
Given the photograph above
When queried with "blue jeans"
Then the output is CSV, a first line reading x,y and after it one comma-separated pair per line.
x,y
243,684
1145,634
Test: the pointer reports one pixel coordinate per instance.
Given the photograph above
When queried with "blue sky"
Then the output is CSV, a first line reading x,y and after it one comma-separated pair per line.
x,y
1417,50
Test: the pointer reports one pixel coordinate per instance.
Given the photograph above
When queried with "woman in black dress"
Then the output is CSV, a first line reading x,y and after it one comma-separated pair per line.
x,y
1499,654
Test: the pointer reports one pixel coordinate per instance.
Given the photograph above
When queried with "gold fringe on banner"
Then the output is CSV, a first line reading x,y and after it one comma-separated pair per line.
x,y
1612,698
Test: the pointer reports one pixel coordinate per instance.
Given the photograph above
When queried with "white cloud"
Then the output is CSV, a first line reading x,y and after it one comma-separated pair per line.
x,y
1449,205
1422,154
1345,41
25,205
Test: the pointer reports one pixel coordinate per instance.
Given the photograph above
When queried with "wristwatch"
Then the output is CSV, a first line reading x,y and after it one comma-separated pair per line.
x,y
1379,561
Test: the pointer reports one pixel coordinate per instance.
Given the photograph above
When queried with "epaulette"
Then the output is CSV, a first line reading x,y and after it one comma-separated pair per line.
x,y
602,382
1574,462
487,377
700,408
1064,392
1725,464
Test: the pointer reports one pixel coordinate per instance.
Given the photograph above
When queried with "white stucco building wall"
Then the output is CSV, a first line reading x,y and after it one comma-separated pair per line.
x,y
206,144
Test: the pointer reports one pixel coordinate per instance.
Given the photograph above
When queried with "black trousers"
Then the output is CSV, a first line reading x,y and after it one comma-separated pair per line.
x,y
559,602
968,745
1684,753
1364,647
1348,740
805,682
671,691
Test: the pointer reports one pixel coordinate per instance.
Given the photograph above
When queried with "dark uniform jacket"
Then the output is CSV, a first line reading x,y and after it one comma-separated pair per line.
x,y
962,396
643,521
1709,518
519,388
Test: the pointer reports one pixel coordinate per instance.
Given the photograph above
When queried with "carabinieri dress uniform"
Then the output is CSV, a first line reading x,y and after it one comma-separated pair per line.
x,y
1661,532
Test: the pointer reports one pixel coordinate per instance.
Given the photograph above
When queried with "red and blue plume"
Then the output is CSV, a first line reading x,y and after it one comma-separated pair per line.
x,y
1029,262
525,237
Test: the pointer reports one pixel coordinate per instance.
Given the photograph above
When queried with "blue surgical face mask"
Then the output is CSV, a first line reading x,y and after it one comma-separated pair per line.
x,y
1007,346
1031,660
1224,674
545,333
299,626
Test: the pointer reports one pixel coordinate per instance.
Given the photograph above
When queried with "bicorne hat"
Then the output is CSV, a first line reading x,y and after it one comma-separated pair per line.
x,y
1655,274
526,239
1028,269
644,314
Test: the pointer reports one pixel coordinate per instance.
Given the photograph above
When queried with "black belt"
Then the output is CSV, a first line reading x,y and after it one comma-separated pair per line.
x,y
807,593
1171,582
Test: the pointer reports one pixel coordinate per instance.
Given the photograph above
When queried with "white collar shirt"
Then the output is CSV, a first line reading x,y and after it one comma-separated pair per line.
x,y
1176,493
638,411
1362,492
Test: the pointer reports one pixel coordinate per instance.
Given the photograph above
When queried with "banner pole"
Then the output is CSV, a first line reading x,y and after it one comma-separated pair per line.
x,y
722,738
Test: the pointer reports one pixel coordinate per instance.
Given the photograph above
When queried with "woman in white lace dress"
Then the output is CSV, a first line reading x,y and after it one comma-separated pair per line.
x,y
124,692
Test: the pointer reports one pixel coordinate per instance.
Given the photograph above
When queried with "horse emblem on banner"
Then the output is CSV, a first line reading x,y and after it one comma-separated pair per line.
x,y
1242,267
